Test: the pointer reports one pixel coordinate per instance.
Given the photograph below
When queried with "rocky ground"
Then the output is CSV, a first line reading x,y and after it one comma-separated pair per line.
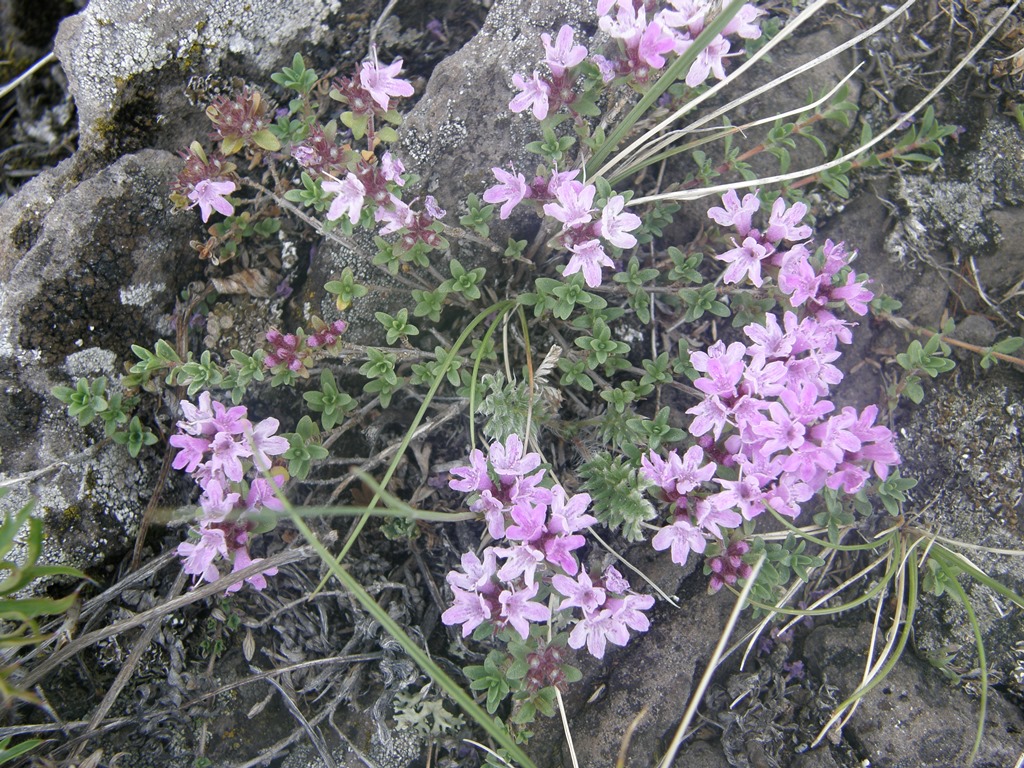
x,y
92,260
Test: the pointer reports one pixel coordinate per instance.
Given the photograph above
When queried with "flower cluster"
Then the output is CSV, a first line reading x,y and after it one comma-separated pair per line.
x,y
539,567
219,446
766,415
640,49
204,181
571,203
369,95
291,353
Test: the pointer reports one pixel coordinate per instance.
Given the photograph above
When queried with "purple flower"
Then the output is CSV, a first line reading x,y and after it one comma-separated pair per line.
x,y
474,476
563,54
477,573
521,560
398,216
262,495
529,522
569,515
470,609
655,41
432,208
710,60
209,196
510,191
613,581
227,455
509,460
854,294
597,630
533,94
712,519
198,419
742,23
743,494
199,556
349,200
216,503
381,82
243,560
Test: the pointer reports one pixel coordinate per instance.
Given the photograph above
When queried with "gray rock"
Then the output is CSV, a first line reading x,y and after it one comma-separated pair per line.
x,y
88,269
914,718
110,45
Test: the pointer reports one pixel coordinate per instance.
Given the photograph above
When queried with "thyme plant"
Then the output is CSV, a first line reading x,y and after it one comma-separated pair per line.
x,y
604,318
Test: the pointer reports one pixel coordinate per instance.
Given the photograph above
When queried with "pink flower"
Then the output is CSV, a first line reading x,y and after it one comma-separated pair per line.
x,y
854,294
474,476
655,41
588,257
243,560
470,609
574,203
563,54
398,216
382,83
616,225
227,455
682,537
579,592
785,224
477,573
209,196
569,515
712,519
510,191
350,195
262,495
518,610
264,443
745,261
216,503
533,93
200,555
710,60
510,461
736,214
391,168
192,451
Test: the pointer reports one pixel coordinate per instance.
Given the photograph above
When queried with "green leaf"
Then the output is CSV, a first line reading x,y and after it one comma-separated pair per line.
x,y
265,139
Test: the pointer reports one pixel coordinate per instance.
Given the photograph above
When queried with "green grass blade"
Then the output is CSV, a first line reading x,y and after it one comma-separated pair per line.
x,y
979,643
429,667
675,71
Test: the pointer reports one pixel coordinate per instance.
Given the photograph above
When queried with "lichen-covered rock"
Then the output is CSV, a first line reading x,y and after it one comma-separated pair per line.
x,y
88,270
463,126
107,47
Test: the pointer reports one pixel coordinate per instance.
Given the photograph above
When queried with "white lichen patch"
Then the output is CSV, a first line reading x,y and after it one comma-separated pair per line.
x,y
90,362
141,295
